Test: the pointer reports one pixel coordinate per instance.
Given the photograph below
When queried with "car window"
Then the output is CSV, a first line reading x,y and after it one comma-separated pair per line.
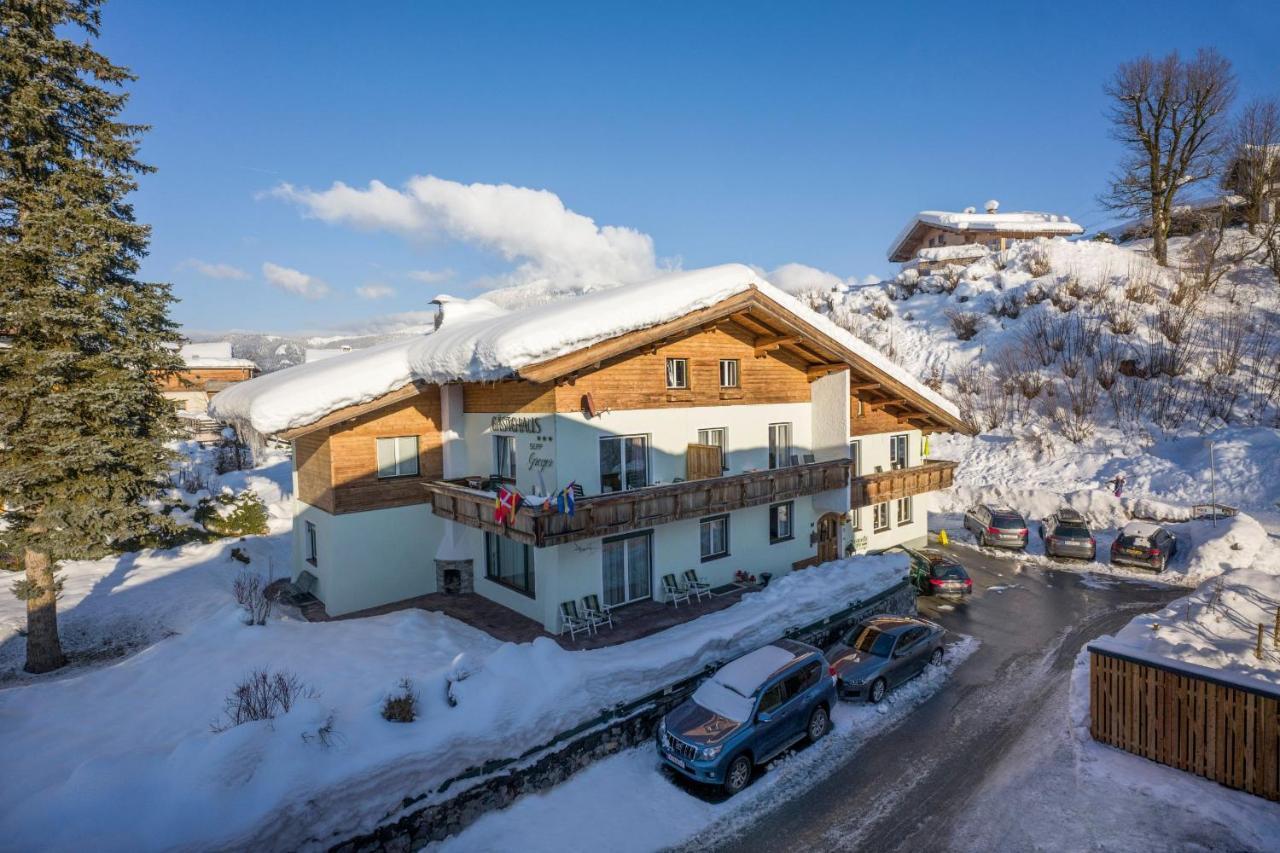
x,y
798,682
948,571
772,697
1007,519
1071,531
872,641
910,637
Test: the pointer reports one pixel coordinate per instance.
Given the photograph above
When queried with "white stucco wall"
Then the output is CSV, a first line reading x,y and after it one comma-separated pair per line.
x,y
365,559
831,416
535,452
874,451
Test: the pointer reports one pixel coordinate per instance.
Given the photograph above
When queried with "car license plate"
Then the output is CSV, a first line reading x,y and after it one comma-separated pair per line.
x,y
1136,552
677,762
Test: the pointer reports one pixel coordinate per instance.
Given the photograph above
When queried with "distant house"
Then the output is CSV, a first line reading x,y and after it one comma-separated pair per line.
x,y
315,354
209,368
935,238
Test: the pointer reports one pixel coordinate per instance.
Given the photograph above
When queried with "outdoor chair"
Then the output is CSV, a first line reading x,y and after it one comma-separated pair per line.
x,y
572,621
595,613
697,587
300,592
674,591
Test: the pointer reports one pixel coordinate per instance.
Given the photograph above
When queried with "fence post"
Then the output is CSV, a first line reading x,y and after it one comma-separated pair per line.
x,y
1275,632
1258,651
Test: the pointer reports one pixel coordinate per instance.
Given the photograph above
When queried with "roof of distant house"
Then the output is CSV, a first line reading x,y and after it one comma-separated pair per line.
x,y
1023,222
212,354
488,343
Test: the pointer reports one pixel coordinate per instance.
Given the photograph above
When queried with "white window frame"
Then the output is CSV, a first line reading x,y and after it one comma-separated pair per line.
x,y
402,463
774,445
622,458
677,374
775,528
721,434
904,517
504,468
857,518
703,540
876,512
855,457
896,441
733,369
313,548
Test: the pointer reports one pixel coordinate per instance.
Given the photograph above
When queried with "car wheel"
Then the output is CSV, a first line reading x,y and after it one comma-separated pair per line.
x,y
819,722
738,774
878,688
936,658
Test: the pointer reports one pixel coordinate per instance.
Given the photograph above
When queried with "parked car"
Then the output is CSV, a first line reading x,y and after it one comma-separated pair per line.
x,y
881,653
749,711
1067,534
1144,544
935,572
998,526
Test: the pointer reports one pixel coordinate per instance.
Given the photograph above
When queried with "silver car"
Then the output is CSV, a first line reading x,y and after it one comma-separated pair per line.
x,y
1067,534
996,525
882,652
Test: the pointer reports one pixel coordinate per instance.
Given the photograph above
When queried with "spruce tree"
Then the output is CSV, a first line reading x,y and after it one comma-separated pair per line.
x,y
83,426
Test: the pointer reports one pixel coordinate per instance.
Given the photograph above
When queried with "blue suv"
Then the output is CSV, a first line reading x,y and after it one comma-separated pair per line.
x,y
752,709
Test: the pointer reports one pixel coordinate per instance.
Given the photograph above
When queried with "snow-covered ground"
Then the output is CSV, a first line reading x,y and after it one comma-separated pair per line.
x,y
127,745
642,808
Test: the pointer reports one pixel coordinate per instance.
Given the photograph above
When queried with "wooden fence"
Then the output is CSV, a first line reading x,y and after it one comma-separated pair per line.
x,y
1187,718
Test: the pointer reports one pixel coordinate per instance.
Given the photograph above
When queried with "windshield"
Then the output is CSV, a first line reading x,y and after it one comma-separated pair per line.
x,y
872,641
1071,531
948,571
1134,542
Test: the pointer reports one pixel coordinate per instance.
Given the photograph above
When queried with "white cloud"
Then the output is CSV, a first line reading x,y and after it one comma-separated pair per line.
x,y
794,278
220,271
375,291
549,243
430,276
294,281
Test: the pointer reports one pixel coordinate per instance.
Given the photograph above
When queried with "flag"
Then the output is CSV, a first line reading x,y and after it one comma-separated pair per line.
x,y
504,509
564,500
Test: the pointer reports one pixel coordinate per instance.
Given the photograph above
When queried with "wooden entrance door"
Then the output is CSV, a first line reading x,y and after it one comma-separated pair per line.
x,y
828,537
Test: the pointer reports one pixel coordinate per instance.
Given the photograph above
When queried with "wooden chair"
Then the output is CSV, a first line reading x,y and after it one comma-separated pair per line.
x,y
571,621
596,613
696,586
674,592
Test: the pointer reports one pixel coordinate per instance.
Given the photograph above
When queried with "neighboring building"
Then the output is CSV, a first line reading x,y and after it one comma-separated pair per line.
x,y
932,239
315,354
711,420
209,368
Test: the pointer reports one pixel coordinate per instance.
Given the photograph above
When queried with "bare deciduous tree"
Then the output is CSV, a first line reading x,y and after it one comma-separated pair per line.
x,y
1253,170
1168,114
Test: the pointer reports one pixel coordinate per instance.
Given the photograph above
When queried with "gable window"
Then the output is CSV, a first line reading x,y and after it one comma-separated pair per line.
x,y
714,536
398,457
677,373
504,457
904,511
716,438
779,445
880,519
728,373
780,527
898,451
509,563
311,544
624,462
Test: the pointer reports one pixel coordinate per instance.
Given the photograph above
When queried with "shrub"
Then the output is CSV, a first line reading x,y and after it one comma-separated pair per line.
x,y
1062,300
1141,284
964,323
950,276
262,695
1038,263
401,707
1008,306
233,515
1120,318
1035,294
881,311
250,593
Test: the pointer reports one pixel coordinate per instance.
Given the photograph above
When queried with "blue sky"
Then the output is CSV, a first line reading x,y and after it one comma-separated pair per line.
x,y
761,133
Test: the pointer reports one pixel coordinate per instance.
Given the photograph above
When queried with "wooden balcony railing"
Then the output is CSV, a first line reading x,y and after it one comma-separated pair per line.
x,y
871,489
618,512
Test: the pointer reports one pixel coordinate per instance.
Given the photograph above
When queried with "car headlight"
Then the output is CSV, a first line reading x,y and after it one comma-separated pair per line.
x,y
662,732
709,752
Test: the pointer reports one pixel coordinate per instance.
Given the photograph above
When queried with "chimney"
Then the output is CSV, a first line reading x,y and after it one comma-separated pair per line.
x,y
992,206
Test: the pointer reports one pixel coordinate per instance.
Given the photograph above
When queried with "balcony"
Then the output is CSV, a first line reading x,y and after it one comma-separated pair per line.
x,y
619,512
871,489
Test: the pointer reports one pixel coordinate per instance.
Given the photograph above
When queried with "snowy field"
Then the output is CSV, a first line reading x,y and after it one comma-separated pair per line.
x,y
645,809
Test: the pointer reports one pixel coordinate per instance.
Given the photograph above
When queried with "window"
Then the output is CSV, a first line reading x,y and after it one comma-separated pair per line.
x,y
716,437
771,699
799,682
398,457
627,565
780,526
861,411
880,519
714,537
904,511
898,451
509,563
779,445
728,373
856,515
677,373
312,552
504,457
855,454
624,462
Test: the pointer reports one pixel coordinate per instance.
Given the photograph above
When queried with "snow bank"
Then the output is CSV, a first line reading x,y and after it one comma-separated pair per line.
x,y
149,774
494,344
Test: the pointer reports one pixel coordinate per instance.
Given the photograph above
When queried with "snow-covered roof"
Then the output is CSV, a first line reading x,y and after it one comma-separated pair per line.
x,y
953,253
1142,529
311,354
1022,222
745,675
489,343
212,354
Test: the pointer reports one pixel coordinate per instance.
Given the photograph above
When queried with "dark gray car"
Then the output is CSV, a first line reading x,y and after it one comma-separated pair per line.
x,y
1067,534
882,652
1146,545
996,525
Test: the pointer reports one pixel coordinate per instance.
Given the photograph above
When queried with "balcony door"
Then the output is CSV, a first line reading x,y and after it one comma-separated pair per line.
x,y
628,569
898,451
624,462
